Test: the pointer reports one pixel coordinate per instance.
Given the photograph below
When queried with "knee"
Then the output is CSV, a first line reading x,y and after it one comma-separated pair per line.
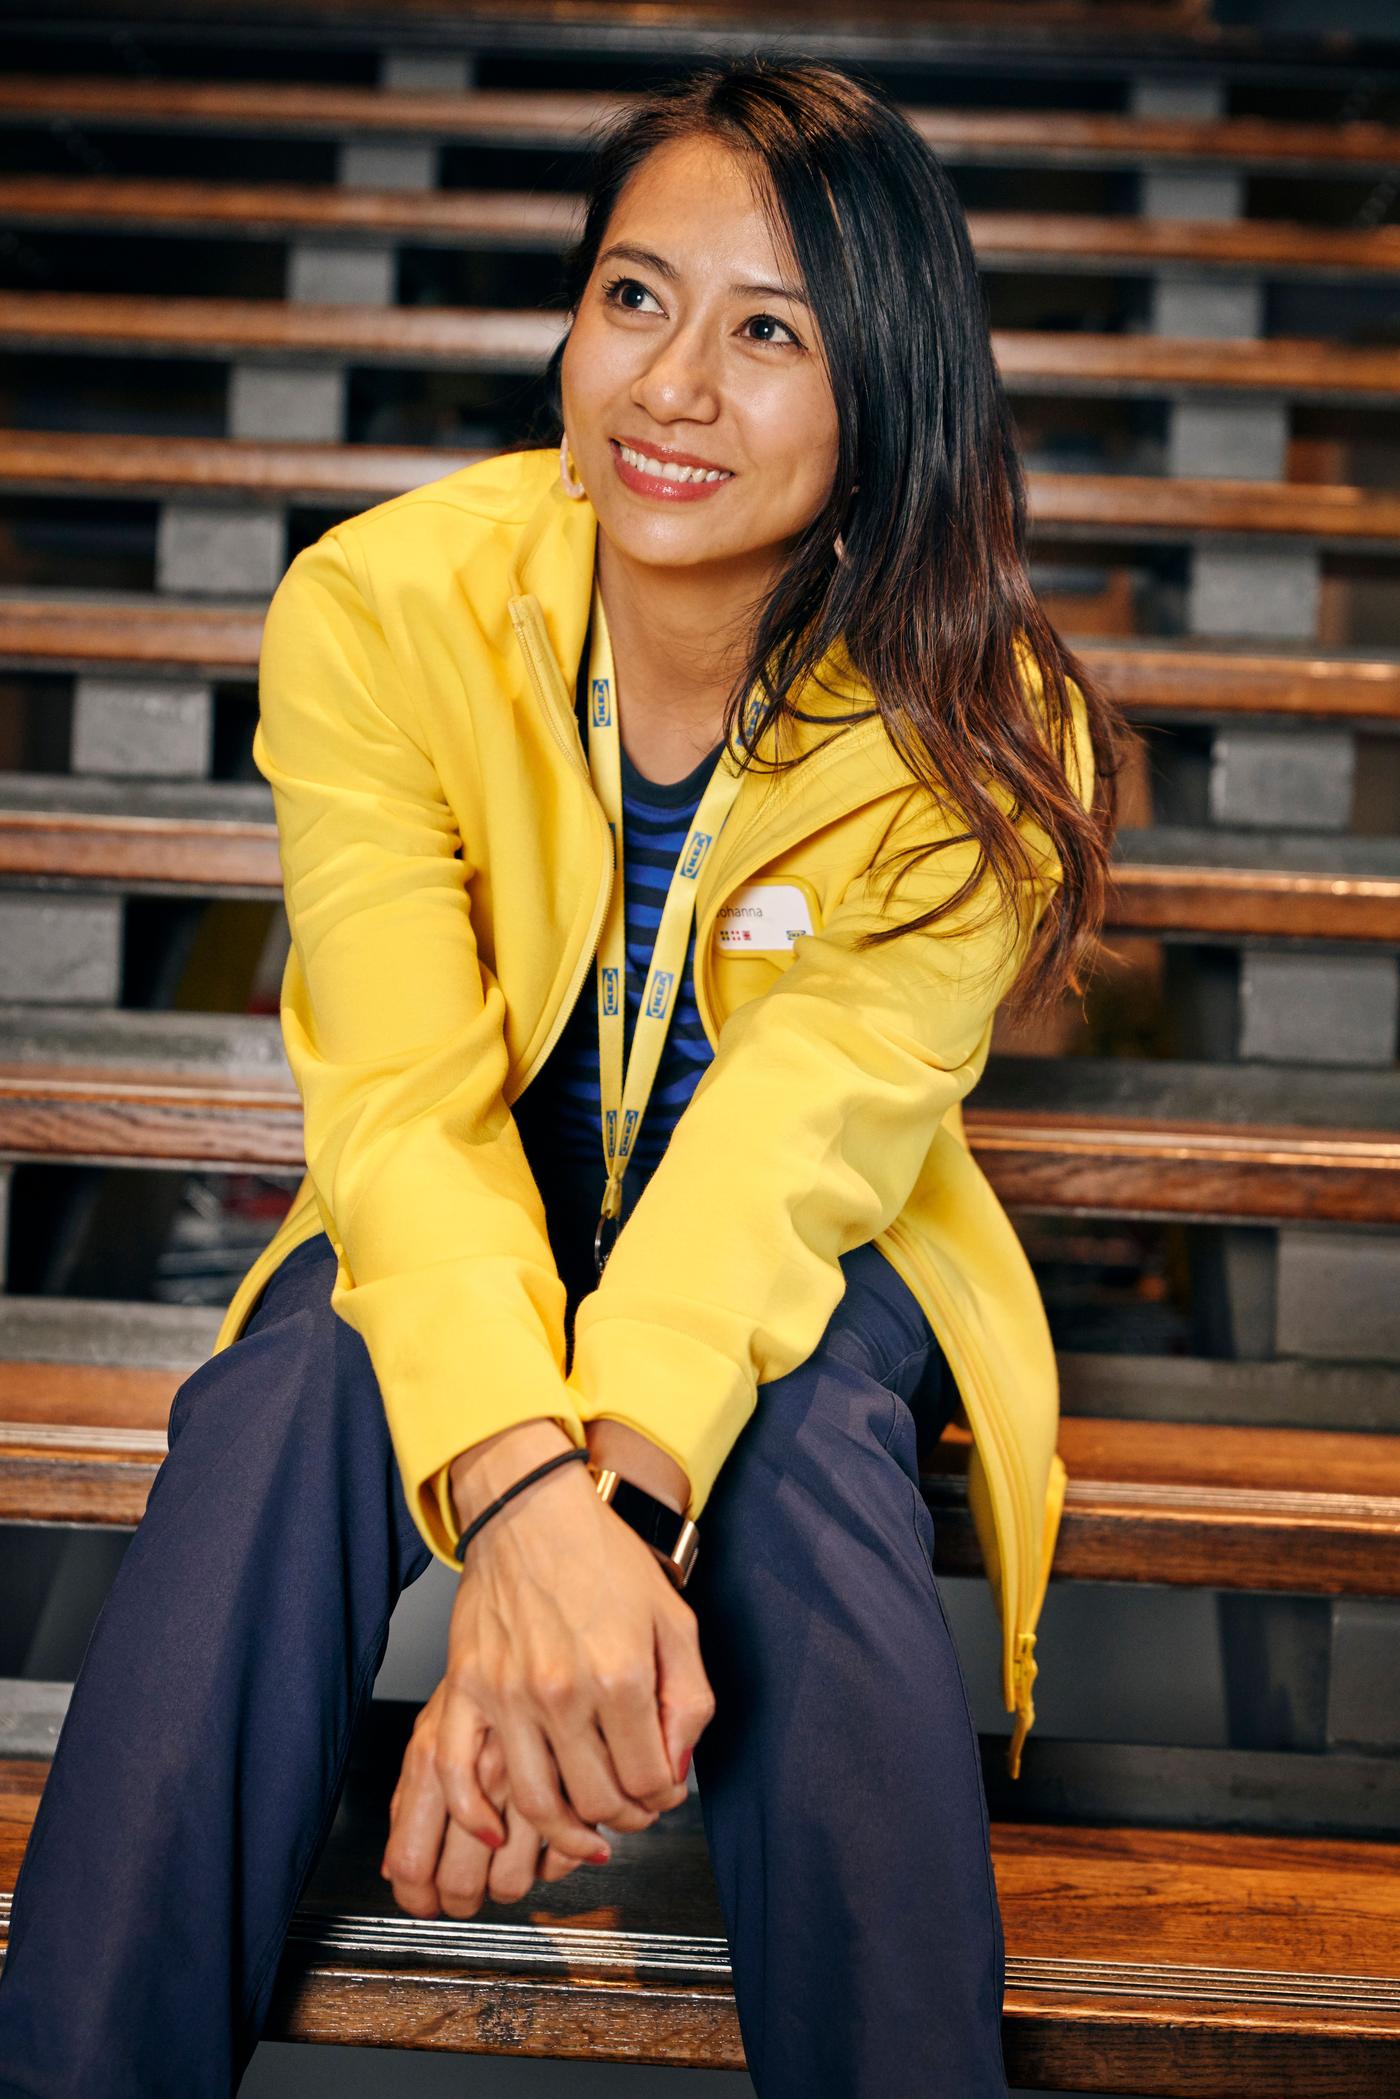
x,y
296,1370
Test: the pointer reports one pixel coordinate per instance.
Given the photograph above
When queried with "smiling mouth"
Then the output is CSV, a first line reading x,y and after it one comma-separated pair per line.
x,y
667,469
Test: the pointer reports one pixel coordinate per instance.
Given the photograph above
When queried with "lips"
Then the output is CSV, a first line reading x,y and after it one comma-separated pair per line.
x,y
665,483
670,455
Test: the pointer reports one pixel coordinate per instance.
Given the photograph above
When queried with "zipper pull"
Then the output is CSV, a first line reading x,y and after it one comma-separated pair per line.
x,y
1024,1670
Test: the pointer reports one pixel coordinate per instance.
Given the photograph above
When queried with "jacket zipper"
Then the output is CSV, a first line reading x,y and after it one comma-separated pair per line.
x,y
538,655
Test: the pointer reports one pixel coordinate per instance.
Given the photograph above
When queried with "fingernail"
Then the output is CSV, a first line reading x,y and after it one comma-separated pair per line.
x,y
683,1768
488,1836
599,1858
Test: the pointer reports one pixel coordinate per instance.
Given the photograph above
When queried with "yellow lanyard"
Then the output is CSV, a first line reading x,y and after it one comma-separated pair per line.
x,y
623,1105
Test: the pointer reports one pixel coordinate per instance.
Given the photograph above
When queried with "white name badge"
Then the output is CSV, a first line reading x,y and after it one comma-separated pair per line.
x,y
762,917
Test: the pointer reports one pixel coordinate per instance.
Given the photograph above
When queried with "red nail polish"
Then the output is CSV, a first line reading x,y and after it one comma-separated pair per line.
x,y
488,1836
684,1768
599,1858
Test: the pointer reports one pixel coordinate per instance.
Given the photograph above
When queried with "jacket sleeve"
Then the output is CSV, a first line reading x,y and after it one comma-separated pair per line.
x,y
802,1140
394,1031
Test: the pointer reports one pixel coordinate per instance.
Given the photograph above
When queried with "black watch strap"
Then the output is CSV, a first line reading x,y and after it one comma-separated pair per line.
x,y
671,1535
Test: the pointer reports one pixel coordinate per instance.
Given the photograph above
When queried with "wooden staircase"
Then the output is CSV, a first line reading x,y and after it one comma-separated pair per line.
x,y
1216,523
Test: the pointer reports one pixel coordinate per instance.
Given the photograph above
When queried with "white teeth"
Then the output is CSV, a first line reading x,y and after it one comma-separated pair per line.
x,y
667,470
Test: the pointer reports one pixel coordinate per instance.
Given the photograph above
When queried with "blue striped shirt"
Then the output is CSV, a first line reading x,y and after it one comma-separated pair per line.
x,y
560,1112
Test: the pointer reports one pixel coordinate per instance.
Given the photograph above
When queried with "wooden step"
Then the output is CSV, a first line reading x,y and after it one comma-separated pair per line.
x,y
1155,680
1146,508
529,219
1277,1956
1182,1503
1078,1135
492,339
174,838
506,118
94,463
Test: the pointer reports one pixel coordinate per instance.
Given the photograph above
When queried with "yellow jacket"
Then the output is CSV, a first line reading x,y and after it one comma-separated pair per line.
x,y
446,869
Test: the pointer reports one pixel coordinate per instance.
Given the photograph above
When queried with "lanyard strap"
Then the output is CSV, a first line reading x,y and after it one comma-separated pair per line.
x,y
623,1104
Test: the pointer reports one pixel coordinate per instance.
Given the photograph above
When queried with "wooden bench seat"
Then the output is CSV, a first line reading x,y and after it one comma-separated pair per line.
x,y
530,219
1078,1135
168,838
1276,1957
506,117
1190,678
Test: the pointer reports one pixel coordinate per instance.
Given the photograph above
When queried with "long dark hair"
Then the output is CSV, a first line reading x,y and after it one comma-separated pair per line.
x,y
932,603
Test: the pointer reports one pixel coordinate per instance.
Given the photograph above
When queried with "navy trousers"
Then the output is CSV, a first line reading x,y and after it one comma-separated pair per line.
x,y
204,1752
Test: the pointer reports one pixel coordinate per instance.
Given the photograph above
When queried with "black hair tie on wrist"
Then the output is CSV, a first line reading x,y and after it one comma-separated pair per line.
x,y
564,1457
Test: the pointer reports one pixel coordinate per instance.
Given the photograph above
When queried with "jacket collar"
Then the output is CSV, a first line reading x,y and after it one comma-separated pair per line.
x,y
553,561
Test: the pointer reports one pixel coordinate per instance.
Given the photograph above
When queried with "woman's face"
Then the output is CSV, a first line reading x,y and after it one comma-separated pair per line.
x,y
692,346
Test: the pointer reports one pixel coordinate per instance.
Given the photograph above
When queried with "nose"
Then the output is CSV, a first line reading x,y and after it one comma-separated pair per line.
x,y
677,382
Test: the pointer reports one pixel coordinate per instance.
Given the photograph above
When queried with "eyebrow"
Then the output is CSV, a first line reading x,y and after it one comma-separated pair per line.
x,y
649,259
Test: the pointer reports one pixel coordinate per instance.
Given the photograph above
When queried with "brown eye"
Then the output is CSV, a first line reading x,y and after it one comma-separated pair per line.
x,y
770,320
614,293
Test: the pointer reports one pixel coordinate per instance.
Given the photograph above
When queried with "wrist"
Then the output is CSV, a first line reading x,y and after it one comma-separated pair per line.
x,y
621,1448
478,1475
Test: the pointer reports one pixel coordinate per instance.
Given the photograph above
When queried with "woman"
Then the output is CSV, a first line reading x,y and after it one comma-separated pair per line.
x,y
762,637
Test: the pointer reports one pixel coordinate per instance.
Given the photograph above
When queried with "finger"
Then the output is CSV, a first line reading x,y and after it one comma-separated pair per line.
x,y
685,1695
462,1872
551,1863
535,1790
418,1821
592,1786
495,1780
514,1866
629,1720
460,1736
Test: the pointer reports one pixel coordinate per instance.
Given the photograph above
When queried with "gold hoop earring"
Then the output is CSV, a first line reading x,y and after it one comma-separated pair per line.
x,y
570,486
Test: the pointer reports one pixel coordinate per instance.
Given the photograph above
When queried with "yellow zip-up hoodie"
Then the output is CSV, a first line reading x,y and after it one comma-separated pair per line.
x,y
446,870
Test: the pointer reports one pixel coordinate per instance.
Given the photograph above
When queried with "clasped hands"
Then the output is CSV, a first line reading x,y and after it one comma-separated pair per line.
x,y
574,1691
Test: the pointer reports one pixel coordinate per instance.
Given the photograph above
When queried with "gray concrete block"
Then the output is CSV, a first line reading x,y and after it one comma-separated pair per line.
x,y
387,163
287,400
1254,589
1228,440
327,273
213,549
153,726
60,950
1234,1281
1363,1708
1171,95
1318,1008
427,72
1302,779
1217,306
1191,193
1338,1293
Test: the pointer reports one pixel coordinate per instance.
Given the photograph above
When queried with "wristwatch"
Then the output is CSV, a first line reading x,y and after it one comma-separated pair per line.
x,y
673,1537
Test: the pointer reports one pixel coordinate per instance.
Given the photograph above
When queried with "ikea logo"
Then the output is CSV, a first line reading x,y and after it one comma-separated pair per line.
x,y
612,1130
610,990
697,845
660,997
602,701
629,1131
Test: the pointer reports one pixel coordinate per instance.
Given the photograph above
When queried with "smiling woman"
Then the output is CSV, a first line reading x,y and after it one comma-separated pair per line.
x,y
585,766
699,419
